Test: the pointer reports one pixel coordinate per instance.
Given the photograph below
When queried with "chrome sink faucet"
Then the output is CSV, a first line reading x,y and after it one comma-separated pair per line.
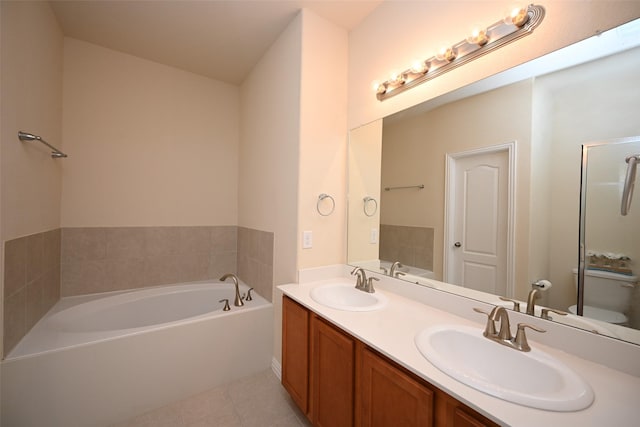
x,y
503,336
238,300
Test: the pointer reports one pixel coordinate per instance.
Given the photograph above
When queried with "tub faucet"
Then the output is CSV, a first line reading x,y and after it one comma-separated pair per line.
x,y
238,300
392,271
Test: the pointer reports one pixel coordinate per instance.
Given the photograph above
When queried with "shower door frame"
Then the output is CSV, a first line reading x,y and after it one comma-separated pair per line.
x,y
583,212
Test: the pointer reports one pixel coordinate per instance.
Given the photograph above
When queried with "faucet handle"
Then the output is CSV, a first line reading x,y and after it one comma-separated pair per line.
x,y
545,313
249,297
369,288
520,341
490,328
516,304
226,304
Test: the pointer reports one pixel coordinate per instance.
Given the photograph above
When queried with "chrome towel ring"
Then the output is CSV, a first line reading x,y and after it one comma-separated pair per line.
x,y
321,197
367,200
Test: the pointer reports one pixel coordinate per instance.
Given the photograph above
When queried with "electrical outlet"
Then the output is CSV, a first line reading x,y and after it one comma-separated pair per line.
x,y
373,237
307,239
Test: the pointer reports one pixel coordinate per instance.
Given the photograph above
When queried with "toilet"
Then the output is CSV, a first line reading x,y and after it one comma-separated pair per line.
x,y
607,295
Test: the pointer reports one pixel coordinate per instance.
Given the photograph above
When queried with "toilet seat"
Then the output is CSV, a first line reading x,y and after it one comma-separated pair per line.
x,y
601,314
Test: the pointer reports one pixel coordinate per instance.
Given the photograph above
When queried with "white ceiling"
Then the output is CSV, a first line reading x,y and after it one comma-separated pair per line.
x,y
220,39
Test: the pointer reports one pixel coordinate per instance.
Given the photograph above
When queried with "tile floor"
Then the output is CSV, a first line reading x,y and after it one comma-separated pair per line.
x,y
259,400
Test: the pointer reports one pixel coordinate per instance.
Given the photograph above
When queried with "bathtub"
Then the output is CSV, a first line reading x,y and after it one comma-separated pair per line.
x,y
99,359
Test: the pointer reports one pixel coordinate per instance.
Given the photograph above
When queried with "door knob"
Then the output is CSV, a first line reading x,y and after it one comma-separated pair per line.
x,y
457,244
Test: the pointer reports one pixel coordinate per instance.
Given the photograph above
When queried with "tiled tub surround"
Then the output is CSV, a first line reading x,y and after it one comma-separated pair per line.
x,y
77,261
31,282
101,259
255,260
409,245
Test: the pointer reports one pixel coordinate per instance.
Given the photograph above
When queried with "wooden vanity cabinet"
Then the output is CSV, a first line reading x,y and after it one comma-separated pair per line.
x,y
338,381
388,395
295,352
332,375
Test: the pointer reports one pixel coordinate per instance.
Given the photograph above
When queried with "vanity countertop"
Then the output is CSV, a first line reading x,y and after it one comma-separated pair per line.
x,y
392,329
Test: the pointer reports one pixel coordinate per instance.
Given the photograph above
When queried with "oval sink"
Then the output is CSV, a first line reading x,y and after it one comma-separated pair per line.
x,y
344,296
533,379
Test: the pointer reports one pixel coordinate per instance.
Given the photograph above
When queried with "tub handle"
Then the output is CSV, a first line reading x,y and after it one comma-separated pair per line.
x,y
249,297
226,304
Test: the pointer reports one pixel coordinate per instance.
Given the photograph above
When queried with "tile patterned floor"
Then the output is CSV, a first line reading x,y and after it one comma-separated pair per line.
x,y
259,400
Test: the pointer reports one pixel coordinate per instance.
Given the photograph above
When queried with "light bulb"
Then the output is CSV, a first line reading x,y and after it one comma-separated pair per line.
x,y
478,37
396,79
518,16
379,88
446,54
419,67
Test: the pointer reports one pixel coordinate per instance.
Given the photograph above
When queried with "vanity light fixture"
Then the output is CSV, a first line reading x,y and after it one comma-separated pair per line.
x,y
519,23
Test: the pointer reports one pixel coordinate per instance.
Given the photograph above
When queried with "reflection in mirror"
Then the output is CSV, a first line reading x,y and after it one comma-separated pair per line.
x,y
500,164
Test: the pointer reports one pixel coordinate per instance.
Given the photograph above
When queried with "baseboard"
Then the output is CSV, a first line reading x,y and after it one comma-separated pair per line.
x,y
276,368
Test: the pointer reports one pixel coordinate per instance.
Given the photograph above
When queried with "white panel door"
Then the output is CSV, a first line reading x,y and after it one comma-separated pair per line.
x,y
479,251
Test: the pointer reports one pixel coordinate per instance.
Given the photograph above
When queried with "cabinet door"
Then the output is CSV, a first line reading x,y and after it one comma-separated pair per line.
x,y
453,413
332,375
295,352
389,396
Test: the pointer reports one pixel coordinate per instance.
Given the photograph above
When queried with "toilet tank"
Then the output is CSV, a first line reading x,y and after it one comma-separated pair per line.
x,y
608,290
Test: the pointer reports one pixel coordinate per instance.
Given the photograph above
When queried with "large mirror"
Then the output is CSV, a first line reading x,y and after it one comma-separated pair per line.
x,y
478,192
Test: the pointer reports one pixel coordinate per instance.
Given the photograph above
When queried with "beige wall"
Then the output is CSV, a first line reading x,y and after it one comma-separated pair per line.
x,y
31,87
291,153
32,47
365,162
397,33
148,144
323,140
414,151
606,108
269,153
270,123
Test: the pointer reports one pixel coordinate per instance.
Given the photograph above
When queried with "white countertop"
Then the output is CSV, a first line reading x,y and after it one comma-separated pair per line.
x,y
392,329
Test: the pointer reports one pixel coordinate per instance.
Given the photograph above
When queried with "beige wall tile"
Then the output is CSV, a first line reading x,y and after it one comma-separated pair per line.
x,y
52,249
35,256
83,244
265,248
161,270
15,266
34,306
224,239
161,241
223,263
124,242
32,275
14,319
193,266
128,273
80,278
194,239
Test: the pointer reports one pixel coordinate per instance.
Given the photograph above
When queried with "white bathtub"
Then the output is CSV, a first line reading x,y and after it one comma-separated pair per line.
x,y
98,359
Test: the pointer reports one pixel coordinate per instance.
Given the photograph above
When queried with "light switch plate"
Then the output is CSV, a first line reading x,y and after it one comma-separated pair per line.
x,y
307,239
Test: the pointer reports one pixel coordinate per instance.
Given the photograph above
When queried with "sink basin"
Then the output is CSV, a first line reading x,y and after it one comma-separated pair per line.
x,y
533,379
344,296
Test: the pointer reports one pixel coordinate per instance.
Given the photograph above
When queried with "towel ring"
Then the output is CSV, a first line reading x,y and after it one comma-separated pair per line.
x,y
321,197
366,200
